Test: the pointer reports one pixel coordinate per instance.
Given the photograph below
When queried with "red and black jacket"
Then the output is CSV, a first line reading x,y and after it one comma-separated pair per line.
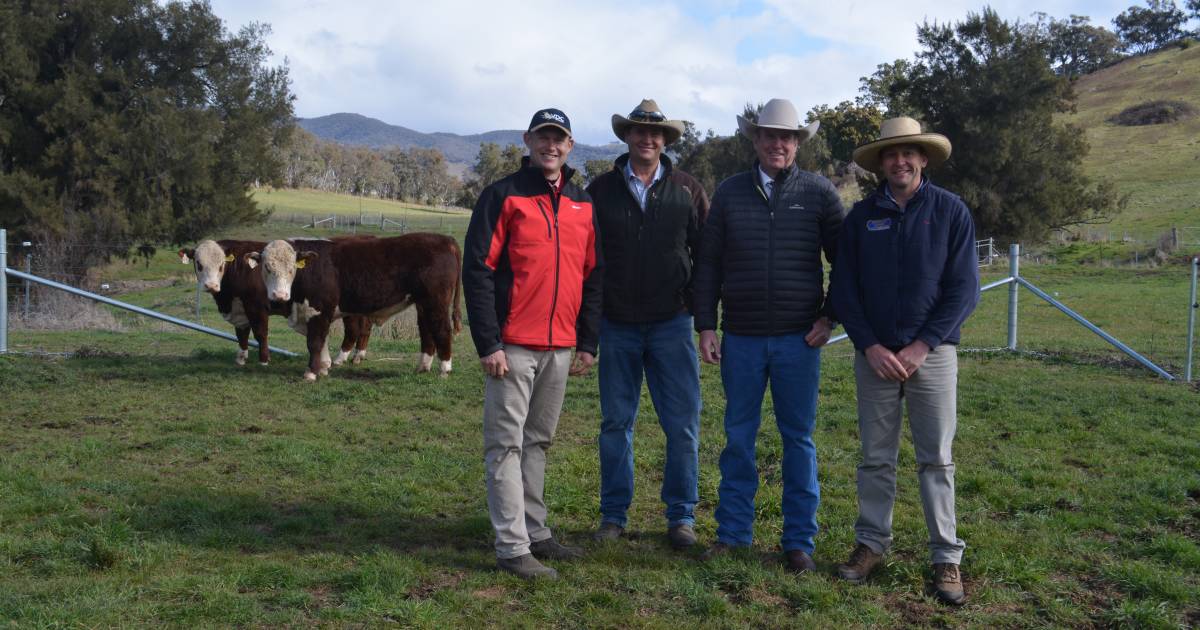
x,y
532,270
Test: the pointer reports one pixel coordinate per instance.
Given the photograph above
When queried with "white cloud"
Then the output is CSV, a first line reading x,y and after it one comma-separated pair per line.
x,y
468,67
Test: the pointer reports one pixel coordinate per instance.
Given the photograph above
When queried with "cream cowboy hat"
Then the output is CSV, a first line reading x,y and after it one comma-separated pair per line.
x,y
778,113
647,114
902,130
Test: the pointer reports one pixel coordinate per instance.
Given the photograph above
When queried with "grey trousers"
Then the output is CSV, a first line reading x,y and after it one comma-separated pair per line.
x,y
520,413
929,395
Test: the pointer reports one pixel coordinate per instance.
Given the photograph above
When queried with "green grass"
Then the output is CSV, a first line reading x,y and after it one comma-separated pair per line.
x,y
1157,165
148,481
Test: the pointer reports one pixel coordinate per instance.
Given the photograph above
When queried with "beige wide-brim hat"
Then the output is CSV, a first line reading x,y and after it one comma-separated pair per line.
x,y
902,130
778,113
647,114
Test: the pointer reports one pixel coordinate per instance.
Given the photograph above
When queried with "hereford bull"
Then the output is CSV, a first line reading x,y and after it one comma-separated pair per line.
x,y
241,298
373,279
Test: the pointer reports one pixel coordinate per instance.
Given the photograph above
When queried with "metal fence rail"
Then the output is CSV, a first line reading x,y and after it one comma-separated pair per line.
x,y
95,297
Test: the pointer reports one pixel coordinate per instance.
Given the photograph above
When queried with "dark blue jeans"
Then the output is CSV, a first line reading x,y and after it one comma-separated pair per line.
x,y
793,369
666,353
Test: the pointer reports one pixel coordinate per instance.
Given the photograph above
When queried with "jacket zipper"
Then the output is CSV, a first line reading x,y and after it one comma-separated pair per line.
x,y
554,295
545,217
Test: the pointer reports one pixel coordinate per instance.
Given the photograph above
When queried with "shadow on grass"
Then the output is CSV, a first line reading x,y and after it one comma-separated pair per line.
x,y
253,524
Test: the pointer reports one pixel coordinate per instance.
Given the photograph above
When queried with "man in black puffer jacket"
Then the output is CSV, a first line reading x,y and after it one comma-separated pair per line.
x,y
649,216
760,257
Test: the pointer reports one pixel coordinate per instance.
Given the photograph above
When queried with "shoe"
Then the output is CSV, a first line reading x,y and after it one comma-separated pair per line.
x,y
551,549
799,562
608,531
681,536
717,550
526,567
858,568
947,583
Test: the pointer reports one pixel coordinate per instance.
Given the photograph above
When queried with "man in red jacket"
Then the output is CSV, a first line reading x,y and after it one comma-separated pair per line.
x,y
532,282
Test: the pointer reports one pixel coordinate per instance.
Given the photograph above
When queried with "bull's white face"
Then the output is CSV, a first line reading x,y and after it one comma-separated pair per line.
x,y
210,261
278,262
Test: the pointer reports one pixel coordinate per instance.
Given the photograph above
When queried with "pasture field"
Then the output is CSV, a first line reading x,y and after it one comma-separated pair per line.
x,y
148,481
1155,164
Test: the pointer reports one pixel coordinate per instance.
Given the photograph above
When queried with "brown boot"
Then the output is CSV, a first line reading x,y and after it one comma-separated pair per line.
x,y
947,583
799,562
858,568
681,536
551,549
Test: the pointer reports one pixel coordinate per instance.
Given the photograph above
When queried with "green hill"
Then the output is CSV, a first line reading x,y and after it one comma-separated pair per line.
x,y
1157,165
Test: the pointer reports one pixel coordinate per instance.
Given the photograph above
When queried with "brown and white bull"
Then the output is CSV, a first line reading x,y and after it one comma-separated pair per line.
x,y
241,297
375,279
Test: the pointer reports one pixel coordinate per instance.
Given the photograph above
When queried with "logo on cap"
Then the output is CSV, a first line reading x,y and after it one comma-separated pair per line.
x,y
555,117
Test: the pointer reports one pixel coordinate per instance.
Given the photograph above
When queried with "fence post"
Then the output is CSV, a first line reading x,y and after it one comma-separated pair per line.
x,y
28,269
1014,270
3,291
1191,336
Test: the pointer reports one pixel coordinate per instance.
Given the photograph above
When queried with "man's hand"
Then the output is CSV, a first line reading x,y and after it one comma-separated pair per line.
x,y
819,335
495,364
912,356
710,347
581,363
885,364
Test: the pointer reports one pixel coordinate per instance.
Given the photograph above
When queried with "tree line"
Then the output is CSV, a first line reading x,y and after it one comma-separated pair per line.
x,y
147,121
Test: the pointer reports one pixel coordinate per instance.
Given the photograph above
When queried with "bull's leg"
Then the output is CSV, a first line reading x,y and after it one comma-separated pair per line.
x,y
318,330
428,347
350,326
243,337
258,322
438,328
364,336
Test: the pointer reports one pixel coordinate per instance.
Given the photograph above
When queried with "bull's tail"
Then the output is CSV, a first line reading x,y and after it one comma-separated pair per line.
x,y
457,311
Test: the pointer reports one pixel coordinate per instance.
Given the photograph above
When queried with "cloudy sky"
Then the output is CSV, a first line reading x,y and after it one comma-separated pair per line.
x,y
469,67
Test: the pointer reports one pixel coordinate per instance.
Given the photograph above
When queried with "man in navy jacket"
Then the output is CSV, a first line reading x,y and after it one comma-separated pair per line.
x,y
906,278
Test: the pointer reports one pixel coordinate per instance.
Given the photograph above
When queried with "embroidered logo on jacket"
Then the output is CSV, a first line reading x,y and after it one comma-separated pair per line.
x,y
878,225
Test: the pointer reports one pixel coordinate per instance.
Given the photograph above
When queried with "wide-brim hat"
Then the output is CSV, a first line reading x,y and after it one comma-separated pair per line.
x,y
778,113
647,114
902,130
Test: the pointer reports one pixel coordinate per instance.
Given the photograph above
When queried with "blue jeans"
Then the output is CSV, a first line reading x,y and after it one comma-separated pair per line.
x,y
794,369
666,352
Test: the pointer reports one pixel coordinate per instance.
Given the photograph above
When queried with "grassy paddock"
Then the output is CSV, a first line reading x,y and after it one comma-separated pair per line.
x,y
148,481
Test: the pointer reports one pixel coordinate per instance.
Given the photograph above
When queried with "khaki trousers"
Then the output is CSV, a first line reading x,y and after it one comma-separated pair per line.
x,y
520,414
930,397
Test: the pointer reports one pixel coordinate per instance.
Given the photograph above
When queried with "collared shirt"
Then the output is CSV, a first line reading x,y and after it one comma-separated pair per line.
x,y
637,187
887,192
767,182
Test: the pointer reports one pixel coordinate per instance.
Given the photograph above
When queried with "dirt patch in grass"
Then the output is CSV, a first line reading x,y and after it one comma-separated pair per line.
x,y
1153,113
440,582
490,593
914,613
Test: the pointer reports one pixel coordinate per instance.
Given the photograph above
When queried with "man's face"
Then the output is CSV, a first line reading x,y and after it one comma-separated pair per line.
x,y
645,143
776,149
902,165
548,148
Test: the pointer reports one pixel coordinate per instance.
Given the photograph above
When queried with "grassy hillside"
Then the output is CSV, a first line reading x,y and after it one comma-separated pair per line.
x,y
1158,165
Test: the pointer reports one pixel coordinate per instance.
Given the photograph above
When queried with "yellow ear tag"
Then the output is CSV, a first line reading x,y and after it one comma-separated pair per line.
x,y
300,263
229,258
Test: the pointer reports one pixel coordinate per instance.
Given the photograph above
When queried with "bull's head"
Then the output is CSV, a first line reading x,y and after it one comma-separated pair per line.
x,y
209,261
280,264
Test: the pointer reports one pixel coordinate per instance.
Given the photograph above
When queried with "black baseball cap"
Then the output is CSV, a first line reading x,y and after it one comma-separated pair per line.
x,y
550,117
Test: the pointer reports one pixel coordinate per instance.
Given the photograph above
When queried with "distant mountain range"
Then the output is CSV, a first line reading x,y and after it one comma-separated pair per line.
x,y
460,151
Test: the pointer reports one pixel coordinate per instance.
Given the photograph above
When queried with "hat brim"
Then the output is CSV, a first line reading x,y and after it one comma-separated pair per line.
x,y
551,124
748,128
937,149
672,129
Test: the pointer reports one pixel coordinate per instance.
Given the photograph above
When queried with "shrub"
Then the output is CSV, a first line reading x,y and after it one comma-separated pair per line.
x,y
1153,113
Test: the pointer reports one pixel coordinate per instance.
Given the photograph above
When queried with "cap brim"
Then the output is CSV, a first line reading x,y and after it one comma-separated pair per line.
x,y
937,149
550,124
